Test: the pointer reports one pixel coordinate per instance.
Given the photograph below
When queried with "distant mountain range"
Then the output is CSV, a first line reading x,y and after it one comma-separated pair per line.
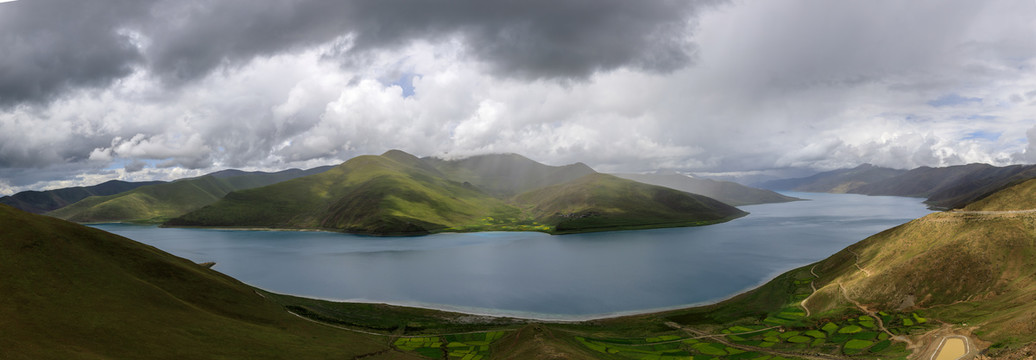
x,y
398,194
946,187
726,191
162,201
39,202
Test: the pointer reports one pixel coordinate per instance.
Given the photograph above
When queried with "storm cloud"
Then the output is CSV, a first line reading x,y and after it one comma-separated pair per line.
x,y
140,90
51,46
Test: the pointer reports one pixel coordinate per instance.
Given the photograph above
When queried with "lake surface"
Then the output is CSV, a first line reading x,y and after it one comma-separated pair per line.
x,y
535,275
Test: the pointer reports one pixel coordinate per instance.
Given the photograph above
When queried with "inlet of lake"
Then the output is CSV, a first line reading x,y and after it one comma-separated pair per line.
x,y
535,275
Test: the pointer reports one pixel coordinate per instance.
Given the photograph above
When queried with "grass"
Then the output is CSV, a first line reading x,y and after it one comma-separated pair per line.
x,y
84,293
398,194
76,292
160,202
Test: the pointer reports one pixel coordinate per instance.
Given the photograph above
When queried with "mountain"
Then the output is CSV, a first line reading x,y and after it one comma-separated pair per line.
x,y
399,194
971,267
74,292
948,187
953,186
39,202
836,181
394,193
156,203
726,191
604,202
505,175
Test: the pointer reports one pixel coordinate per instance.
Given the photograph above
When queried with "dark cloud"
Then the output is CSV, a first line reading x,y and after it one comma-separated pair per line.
x,y
51,46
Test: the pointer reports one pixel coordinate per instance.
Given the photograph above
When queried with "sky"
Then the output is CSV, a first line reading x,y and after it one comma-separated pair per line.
x,y
163,89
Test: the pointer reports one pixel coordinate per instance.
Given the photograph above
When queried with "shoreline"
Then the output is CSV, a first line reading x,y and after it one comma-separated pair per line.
x,y
541,317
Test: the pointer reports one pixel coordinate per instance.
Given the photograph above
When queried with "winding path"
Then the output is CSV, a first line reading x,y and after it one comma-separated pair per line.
x,y
813,286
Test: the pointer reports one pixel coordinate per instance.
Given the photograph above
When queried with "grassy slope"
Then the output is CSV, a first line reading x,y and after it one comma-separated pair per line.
x,y
39,202
961,267
506,175
1017,197
389,194
156,203
75,292
728,192
604,202
399,194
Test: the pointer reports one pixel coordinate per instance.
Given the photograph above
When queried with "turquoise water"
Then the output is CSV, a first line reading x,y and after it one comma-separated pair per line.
x,y
542,276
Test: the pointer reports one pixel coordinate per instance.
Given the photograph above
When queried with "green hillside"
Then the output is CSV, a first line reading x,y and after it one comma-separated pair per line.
x,y
77,292
604,202
505,175
388,194
160,202
73,292
39,202
399,194
728,192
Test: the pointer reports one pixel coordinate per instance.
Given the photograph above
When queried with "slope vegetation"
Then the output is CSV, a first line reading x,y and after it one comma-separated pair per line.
x,y
399,194
39,202
598,202
505,175
728,192
395,193
73,292
1014,198
972,266
160,202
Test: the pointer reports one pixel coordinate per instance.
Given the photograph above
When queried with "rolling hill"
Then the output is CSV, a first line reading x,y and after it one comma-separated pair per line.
x,y
399,194
728,192
39,202
505,175
77,292
604,202
74,292
159,202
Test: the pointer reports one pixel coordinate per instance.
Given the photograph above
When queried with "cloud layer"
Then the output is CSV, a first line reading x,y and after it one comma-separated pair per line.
x,y
137,90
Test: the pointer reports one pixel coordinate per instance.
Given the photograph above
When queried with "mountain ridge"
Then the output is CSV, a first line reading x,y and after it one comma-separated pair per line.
x,y
158,202
39,202
399,194
728,192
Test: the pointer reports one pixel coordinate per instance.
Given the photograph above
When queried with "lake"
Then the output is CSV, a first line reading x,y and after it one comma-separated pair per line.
x,y
535,275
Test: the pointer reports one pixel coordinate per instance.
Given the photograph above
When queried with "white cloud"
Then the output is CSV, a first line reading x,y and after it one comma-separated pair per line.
x,y
776,84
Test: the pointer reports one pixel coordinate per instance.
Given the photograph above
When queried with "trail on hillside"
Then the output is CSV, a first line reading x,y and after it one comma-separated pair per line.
x,y
812,285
